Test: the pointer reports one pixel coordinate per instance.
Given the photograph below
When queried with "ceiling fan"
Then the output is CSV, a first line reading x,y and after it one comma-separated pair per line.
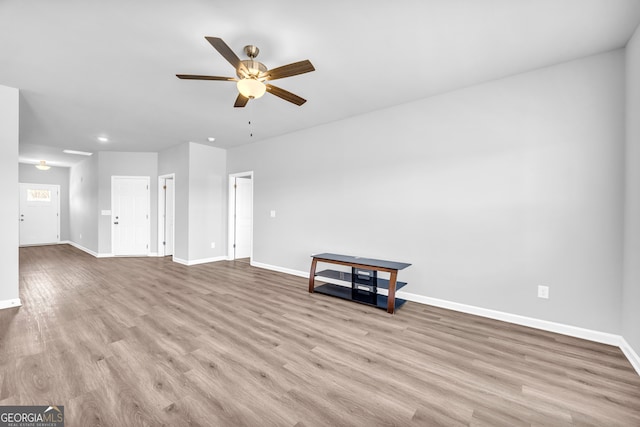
x,y
253,74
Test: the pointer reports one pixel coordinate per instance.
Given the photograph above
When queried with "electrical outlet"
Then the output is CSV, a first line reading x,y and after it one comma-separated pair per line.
x,y
213,245
543,292
273,214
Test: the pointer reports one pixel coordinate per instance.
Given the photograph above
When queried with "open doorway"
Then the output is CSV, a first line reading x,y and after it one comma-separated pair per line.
x,y
166,215
240,216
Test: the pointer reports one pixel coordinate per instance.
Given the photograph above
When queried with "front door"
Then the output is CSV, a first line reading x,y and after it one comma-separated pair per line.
x,y
39,220
130,215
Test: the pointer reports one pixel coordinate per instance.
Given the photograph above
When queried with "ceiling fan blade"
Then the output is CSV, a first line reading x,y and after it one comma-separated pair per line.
x,y
241,101
196,77
289,70
286,95
224,50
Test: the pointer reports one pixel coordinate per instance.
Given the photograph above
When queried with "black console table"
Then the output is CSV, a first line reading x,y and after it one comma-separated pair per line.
x,y
363,278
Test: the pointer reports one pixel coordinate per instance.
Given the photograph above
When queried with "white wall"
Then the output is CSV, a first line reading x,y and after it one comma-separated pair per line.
x,y
83,204
489,191
207,202
631,289
112,163
9,125
200,186
29,174
90,194
175,160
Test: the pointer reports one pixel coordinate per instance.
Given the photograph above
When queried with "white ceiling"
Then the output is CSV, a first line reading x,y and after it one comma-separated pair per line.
x,y
93,67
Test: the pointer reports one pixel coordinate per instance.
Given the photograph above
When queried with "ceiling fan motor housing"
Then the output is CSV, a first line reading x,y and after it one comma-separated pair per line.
x,y
256,69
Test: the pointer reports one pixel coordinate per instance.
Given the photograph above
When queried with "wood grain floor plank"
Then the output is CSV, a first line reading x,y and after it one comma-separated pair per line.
x,y
149,342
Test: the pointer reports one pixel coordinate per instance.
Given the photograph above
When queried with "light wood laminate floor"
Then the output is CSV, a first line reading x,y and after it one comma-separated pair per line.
x,y
145,341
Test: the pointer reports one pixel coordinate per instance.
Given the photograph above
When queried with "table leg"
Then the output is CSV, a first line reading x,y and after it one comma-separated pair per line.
x,y
391,300
312,275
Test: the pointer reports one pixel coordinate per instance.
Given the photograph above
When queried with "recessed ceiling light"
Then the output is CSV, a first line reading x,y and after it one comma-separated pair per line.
x,y
103,139
211,139
80,153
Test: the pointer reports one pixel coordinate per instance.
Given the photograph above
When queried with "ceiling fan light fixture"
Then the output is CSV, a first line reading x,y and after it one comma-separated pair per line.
x,y
251,88
43,166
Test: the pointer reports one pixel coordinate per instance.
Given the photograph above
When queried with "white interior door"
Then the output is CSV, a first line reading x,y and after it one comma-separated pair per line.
x,y
169,212
39,214
130,215
243,217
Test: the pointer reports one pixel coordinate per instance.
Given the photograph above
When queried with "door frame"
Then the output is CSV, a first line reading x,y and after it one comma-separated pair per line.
x,y
57,187
232,211
113,229
161,203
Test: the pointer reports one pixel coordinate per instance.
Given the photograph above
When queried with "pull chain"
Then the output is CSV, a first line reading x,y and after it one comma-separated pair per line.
x,y
250,119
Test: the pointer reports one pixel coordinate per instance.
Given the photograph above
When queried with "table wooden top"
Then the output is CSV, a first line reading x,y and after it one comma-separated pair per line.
x,y
362,261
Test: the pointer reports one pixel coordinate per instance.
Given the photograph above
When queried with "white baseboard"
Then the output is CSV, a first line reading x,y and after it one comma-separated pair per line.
x,y
298,273
560,328
82,248
199,261
96,254
633,357
573,331
10,303
151,254
40,244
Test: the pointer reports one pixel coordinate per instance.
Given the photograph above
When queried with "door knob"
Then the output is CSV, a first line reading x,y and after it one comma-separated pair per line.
x,y
116,222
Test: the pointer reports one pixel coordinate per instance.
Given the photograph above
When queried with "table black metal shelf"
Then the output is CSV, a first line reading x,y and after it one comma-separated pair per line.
x,y
363,279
